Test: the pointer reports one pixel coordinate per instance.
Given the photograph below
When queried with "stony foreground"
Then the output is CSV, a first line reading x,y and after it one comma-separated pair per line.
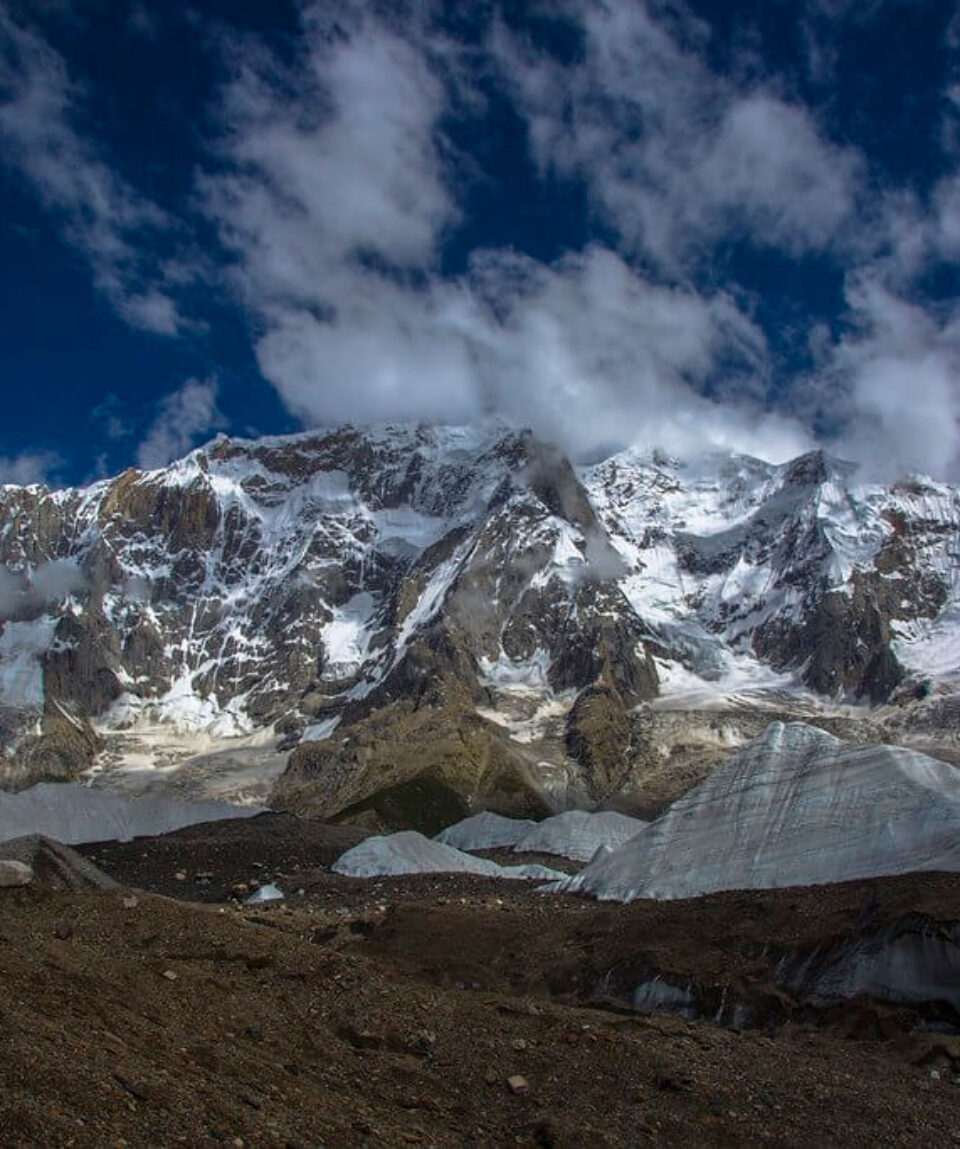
x,y
445,1011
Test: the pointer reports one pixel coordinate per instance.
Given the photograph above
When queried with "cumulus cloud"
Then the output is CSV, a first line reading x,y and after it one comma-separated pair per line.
x,y
893,385
335,203
675,157
99,212
333,186
185,416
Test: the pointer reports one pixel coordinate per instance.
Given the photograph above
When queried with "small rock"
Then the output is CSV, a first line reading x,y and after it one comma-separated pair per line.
x,y
519,1045
14,873
169,975
671,1081
518,1085
63,930
181,875
491,1077
131,902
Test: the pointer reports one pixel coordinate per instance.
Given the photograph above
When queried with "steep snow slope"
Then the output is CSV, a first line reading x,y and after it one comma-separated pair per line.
x,y
795,807
731,560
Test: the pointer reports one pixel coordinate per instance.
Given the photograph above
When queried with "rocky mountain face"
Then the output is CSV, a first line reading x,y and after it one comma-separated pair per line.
x,y
432,620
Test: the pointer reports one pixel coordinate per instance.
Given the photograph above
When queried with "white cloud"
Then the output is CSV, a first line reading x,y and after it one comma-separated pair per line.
x,y
892,385
185,416
331,188
674,156
97,211
30,590
334,161
589,352
335,206
29,467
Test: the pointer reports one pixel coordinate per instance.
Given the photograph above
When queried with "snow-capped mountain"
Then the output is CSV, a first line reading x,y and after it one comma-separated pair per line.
x,y
440,618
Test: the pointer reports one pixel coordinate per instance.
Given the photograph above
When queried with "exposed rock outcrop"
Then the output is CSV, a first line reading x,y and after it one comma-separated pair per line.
x,y
461,611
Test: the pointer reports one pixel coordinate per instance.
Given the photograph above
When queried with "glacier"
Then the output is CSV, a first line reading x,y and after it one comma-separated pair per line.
x,y
72,814
408,852
485,831
796,807
579,834
574,834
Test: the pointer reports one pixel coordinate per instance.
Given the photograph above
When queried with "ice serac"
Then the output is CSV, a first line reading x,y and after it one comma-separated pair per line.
x,y
409,853
579,834
797,807
574,834
485,831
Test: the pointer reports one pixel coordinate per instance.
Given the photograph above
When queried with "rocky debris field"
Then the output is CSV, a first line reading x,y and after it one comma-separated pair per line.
x,y
450,1010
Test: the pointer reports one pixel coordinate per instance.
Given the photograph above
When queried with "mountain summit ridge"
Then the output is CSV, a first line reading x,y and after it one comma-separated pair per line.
x,y
456,616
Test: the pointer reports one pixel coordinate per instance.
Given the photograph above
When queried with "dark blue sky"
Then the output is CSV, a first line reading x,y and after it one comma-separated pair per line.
x,y
717,223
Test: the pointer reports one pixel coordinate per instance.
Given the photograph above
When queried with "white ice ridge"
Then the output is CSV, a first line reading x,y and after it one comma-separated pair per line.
x,y
576,834
411,853
797,807
485,831
74,814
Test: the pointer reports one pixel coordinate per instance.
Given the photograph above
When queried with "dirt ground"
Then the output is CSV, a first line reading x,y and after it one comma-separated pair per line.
x,y
434,1011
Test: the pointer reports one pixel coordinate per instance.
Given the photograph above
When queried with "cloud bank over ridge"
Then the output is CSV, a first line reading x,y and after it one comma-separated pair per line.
x,y
334,182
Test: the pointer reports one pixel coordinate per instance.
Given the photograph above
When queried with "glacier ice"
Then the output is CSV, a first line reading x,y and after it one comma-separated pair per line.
x,y
485,831
575,834
268,893
794,807
579,834
72,814
411,853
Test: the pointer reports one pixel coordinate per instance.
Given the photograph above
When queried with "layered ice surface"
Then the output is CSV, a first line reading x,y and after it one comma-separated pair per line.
x,y
796,807
485,831
408,853
72,814
575,834
579,834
